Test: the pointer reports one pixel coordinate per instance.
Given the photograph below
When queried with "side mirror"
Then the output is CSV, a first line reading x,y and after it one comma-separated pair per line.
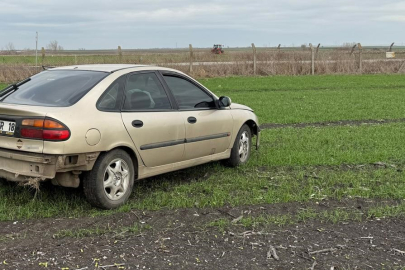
x,y
225,101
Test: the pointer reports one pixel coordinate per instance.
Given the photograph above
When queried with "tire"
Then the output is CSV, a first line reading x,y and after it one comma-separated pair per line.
x,y
241,148
109,184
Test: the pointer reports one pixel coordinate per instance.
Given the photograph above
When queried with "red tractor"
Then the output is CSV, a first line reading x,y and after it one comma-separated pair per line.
x,y
217,49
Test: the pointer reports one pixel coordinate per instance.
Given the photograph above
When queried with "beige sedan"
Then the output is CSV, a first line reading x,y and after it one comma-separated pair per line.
x,y
109,125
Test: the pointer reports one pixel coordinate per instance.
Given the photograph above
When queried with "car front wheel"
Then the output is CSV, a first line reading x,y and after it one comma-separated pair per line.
x,y
241,148
111,181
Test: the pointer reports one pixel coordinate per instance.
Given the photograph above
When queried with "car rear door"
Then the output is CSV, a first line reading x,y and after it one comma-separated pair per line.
x,y
155,126
208,128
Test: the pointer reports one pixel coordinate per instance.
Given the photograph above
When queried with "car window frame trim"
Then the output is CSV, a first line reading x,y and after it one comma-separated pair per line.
x,y
119,98
181,76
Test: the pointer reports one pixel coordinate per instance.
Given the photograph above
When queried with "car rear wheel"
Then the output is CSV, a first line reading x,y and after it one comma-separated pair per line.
x,y
241,148
111,181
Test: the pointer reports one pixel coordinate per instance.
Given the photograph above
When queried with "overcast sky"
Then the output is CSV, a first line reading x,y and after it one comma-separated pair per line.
x,y
101,24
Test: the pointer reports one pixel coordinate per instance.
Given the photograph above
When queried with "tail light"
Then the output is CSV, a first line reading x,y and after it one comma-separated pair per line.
x,y
45,129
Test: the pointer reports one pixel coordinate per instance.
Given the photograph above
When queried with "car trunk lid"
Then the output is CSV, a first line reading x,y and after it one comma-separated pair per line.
x,y
11,117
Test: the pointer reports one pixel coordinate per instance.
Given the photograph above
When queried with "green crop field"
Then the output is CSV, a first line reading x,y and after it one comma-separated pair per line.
x,y
294,164
327,186
304,99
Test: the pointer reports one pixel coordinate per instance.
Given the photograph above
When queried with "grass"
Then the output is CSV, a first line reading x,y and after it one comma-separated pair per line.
x,y
101,230
309,99
332,145
2,86
286,99
293,165
225,186
335,216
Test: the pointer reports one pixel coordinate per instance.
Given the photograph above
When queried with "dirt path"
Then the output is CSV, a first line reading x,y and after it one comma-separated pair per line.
x,y
333,123
181,239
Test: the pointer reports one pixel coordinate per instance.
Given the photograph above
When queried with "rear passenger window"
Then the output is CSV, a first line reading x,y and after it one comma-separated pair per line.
x,y
110,100
145,92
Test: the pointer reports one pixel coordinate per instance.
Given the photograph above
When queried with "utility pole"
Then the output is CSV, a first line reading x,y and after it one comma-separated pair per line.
x,y
36,51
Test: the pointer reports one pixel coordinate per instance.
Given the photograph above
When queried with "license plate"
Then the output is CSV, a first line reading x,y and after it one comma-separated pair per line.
x,y
7,127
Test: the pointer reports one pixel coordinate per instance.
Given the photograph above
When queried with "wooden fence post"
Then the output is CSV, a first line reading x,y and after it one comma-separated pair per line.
x,y
191,58
75,59
279,47
312,59
360,57
254,59
119,54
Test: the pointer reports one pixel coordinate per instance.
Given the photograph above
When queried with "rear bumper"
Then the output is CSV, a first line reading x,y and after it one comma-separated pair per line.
x,y
22,166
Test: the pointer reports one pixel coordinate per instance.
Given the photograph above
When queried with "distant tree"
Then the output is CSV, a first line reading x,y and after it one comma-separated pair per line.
x,y
349,44
9,48
54,46
303,46
82,49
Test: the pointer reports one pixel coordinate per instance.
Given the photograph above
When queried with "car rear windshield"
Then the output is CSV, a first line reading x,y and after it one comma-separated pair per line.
x,y
55,88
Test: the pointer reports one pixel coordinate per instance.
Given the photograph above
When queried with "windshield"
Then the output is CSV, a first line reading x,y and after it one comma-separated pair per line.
x,y
55,88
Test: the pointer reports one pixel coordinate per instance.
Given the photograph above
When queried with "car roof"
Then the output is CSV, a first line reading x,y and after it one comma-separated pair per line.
x,y
100,67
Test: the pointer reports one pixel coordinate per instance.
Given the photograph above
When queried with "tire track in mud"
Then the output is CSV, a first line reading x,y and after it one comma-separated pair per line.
x,y
333,123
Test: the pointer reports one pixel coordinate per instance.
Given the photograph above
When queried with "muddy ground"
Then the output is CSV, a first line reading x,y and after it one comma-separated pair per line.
x,y
181,239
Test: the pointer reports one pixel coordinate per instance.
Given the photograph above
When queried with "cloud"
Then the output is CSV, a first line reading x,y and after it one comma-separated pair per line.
x,y
162,23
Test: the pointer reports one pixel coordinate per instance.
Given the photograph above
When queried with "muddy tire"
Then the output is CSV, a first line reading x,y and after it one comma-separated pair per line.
x,y
241,148
111,181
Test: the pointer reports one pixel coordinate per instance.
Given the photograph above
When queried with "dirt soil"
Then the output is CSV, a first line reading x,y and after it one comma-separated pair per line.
x,y
181,239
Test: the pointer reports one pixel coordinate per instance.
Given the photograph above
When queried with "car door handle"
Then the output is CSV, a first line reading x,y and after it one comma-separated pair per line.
x,y
192,120
137,123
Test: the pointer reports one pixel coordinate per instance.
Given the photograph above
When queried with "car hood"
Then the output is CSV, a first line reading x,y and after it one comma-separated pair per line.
x,y
236,106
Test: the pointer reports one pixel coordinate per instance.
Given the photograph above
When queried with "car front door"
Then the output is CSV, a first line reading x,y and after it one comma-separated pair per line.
x,y
155,126
208,128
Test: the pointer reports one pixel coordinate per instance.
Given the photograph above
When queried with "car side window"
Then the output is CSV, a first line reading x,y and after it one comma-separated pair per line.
x,y
111,99
188,95
144,92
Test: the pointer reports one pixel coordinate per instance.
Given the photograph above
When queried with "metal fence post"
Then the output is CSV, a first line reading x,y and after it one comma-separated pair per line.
x,y
36,53
392,45
43,55
191,58
317,50
312,59
360,57
354,47
254,59
119,54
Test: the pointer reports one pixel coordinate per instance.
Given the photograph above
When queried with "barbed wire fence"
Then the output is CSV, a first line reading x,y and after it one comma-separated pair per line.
x,y
201,63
